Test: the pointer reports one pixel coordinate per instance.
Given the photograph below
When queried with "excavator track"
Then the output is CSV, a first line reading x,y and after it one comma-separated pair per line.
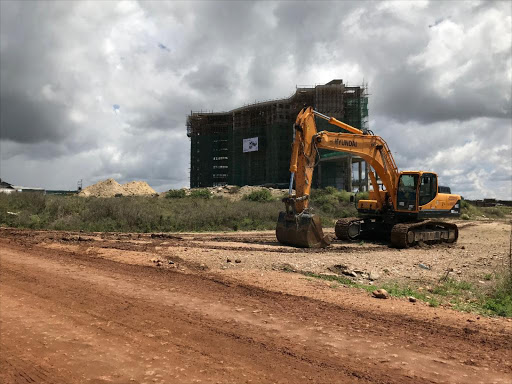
x,y
408,234
342,228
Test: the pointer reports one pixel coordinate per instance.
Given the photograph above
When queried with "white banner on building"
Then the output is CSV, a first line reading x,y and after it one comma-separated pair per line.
x,y
251,144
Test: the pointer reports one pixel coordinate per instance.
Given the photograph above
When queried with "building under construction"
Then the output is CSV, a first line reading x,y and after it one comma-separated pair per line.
x,y
251,145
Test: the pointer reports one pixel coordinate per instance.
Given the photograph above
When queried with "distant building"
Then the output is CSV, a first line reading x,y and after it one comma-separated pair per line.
x,y
251,145
5,187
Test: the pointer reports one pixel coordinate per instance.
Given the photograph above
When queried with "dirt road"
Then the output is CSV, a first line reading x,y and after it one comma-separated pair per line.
x,y
78,308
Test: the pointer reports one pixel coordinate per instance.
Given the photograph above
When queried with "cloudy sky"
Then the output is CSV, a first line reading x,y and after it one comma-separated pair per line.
x,y
91,90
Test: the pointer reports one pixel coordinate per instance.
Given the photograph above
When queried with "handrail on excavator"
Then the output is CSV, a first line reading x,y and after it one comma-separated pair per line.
x,y
338,123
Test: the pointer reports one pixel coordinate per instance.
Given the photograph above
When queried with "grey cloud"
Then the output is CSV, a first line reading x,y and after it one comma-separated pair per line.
x,y
220,55
211,78
25,120
412,96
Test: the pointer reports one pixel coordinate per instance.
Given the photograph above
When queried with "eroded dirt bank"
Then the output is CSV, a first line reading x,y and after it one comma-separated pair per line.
x,y
90,308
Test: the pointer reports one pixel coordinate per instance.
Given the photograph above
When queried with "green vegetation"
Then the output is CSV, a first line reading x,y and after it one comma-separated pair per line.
x,y
262,195
194,193
500,299
135,214
176,194
175,213
470,211
333,203
461,295
200,193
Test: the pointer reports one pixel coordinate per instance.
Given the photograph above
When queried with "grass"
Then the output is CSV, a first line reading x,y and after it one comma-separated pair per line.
x,y
470,211
175,213
460,295
135,214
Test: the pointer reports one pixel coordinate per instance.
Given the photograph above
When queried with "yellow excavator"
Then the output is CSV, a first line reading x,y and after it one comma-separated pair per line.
x,y
403,207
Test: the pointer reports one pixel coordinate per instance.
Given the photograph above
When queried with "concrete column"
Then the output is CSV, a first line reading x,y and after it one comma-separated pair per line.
x,y
319,174
366,188
360,172
349,178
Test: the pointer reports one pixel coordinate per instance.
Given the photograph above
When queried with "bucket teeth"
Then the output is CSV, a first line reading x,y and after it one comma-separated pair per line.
x,y
303,231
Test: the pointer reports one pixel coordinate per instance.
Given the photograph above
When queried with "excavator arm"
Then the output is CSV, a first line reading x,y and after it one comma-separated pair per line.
x,y
373,149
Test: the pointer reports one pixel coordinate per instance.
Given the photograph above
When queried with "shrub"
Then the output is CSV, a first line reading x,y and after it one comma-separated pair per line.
x,y
259,195
464,216
234,189
176,194
362,196
500,300
200,193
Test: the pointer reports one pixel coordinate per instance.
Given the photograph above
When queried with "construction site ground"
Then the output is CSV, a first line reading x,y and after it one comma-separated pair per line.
x,y
228,308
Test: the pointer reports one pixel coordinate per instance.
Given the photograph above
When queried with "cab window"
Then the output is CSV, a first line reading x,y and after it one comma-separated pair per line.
x,y
428,188
406,198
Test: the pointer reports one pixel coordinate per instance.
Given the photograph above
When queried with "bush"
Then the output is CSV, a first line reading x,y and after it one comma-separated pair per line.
x,y
200,193
259,195
500,300
464,216
362,196
147,214
176,194
234,189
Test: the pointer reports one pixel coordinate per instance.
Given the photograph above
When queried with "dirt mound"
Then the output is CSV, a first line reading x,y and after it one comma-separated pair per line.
x,y
138,188
232,192
106,188
111,188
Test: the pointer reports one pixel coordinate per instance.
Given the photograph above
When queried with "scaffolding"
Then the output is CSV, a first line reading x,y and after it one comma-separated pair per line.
x,y
217,155
209,148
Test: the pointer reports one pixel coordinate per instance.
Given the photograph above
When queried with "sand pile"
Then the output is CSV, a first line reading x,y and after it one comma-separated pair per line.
x,y
106,188
138,188
111,188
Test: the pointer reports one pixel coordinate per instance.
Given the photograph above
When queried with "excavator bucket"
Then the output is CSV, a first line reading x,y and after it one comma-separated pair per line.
x,y
303,231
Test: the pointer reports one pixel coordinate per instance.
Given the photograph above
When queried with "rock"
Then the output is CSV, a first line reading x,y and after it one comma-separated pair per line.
x,y
203,267
348,272
380,294
338,268
171,262
412,299
463,247
228,260
374,275
159,263
238,261
423,266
